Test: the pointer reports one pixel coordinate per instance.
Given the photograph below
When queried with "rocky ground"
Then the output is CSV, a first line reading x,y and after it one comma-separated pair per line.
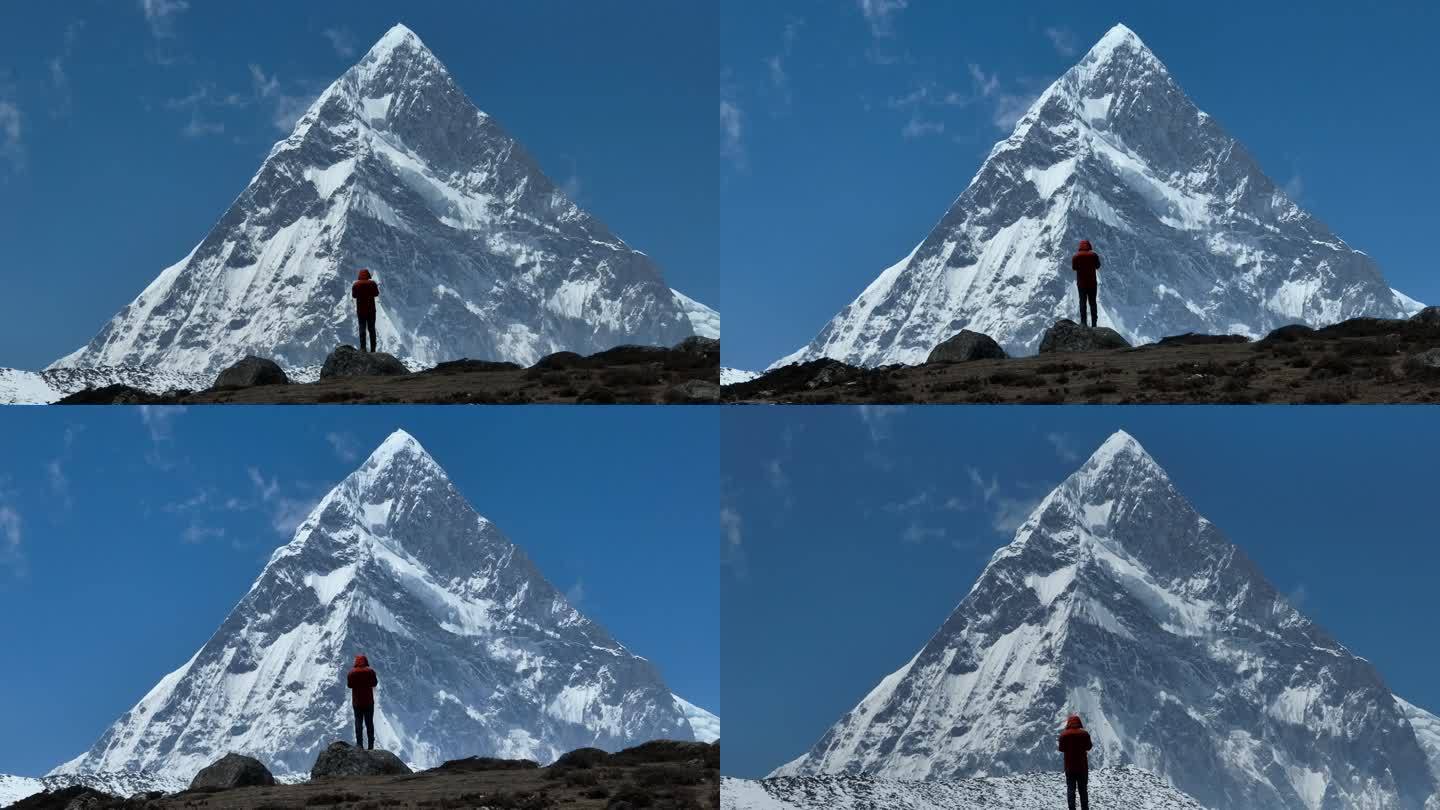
x,y
659,775
688,373
1364,360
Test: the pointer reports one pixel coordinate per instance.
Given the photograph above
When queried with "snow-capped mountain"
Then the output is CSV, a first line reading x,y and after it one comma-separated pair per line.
x,y
1116,600
477,654
1194,237
478,254
735,376
1129,788
704,320
705,724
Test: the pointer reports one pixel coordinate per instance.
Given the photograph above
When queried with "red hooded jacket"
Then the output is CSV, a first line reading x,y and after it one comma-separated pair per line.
x,y
1085,262
1074,742
365,291
362,683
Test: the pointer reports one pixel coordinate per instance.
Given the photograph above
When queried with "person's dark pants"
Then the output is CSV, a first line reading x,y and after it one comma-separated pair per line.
x,y
365,716
1087,297
367,322
1077,780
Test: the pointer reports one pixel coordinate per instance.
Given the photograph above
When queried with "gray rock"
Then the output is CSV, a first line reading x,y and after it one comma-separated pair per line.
x,y
344,759
967,346
1427,361
232,771
348,361
1068,336
1429,316
693,392
252,371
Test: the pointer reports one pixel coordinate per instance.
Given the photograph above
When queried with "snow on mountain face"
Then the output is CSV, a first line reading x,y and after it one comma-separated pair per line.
x,y
477,654
704,320
705,724
477,253
15,788
1427,731
1118,787
1116,600
1193,236
735,376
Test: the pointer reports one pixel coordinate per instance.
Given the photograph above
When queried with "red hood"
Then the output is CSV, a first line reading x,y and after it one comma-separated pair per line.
x,y
361,661
364,275
1074,720
1085,246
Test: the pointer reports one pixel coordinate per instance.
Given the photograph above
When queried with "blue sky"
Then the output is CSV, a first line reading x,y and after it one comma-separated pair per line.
x,y
839,153
119,556
851,533
126,133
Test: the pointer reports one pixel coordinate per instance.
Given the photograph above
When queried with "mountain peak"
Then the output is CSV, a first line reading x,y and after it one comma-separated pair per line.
x,y
1119,449
396,38
397,446
1119,39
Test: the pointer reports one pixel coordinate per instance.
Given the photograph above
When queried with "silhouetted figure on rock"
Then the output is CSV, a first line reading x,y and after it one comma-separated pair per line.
x,y
1086,263
362,682
1074,742
365,291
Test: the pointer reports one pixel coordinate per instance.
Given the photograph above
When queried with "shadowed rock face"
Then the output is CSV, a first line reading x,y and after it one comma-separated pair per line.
x,y
252,371
347,361
477,253
1193,235
1118,601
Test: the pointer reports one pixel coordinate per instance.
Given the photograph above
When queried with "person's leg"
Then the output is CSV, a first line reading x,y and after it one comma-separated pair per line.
x,y
1080,291
374,342
359,719
1084,783
360,319
1070,790
370,726
1094,294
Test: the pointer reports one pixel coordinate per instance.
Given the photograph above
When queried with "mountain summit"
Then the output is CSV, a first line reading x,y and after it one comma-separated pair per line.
x,y
477,252
477,653
1118,601
1193,235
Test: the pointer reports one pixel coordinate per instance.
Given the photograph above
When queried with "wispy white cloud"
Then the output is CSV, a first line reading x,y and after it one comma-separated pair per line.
x,y
732,126
161,15
917,127
286,108
1062,39
12,554
881,15
916,533
286,511
1064,446
732,540
1295,187
776,72
160,420
1006,107
12,130
1007,511
195,534
576,594
345,445
877,419
342,40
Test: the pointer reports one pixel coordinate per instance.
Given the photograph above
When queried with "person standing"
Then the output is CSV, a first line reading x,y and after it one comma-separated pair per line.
x,y
365,291
362,682
1086,263
1074,743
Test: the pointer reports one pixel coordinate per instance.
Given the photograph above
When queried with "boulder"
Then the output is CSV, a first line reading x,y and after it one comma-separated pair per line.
x,y
1197,339
467,366
629,355
1289,334
1426,362
560,361
348,361
480,764
118,394
1068,336
693,392
232,771
582,758
1430,316
967,346
344,759
703,346
252,371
